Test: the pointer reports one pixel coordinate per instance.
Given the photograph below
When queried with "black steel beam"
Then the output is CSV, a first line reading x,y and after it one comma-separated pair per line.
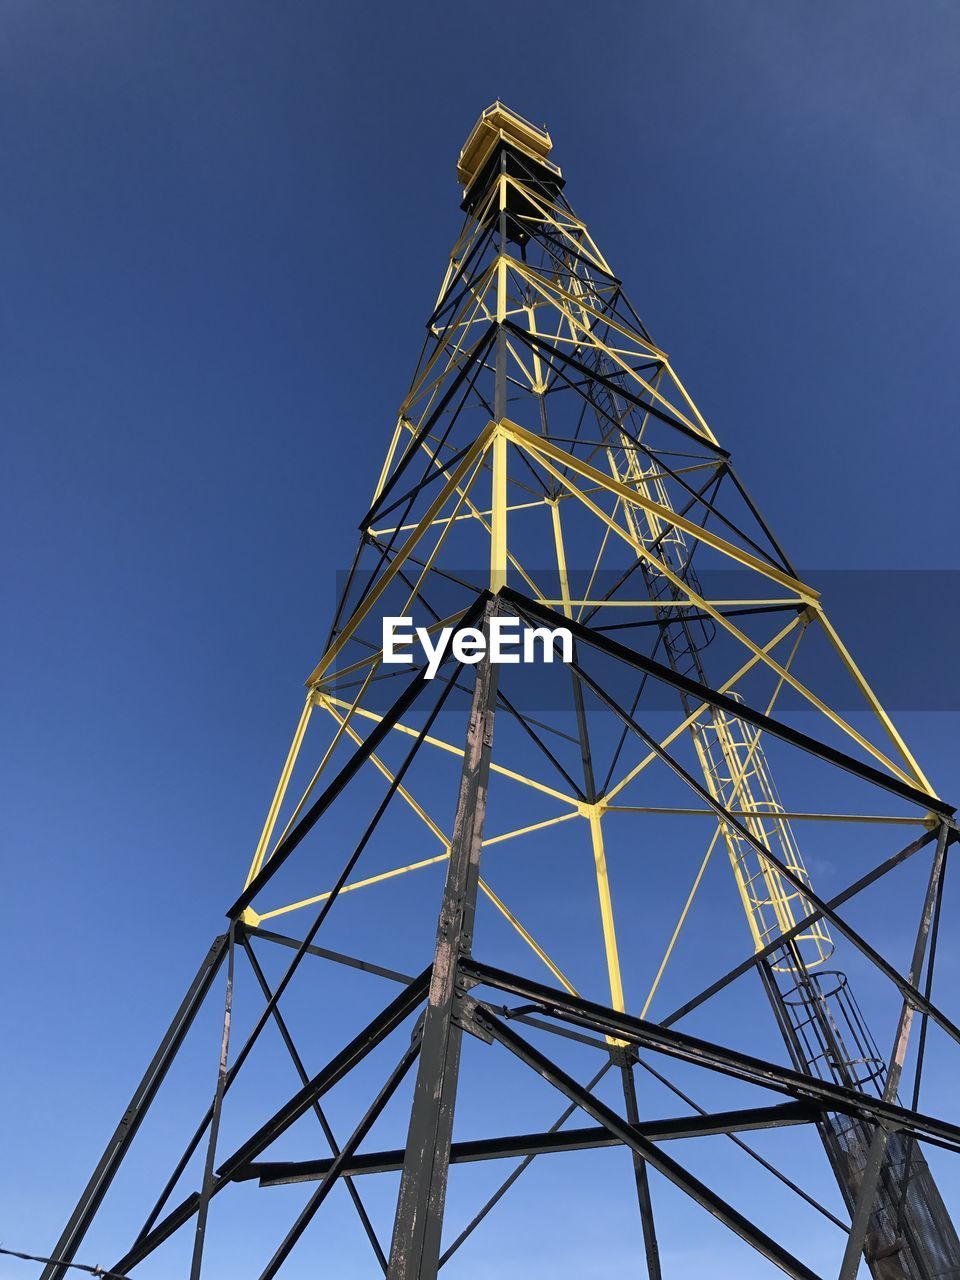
x,y
376,1031
692,616
206,1185
738,1142
547,352
905,986
415,1246
274,1173
349,771
705,1053
475,358
339,1066
648,1226
788,935
755,511
147,1230
516,1172
703,693
340,1161
318,1111
66,1247
685,1181
447,301
324,953
870,1178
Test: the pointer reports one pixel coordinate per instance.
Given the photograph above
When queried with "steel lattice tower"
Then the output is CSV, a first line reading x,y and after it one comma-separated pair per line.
x,y
548,464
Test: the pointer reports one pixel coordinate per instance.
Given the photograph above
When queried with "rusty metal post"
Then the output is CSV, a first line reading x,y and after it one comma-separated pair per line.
x,y
415,1248
878,1145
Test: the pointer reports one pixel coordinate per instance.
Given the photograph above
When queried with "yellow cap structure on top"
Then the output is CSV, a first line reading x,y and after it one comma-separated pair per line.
x,y
498,123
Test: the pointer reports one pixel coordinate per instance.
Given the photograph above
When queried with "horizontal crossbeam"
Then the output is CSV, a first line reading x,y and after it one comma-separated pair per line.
x,y
275,1173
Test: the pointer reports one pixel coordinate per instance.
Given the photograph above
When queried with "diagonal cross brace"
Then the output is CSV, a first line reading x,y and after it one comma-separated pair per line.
x,y
651,1154
706,1053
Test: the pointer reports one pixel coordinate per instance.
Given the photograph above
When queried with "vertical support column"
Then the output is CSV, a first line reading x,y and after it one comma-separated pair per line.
x,y
498,523
415,1248
878,1145
583,734
561,562
500,386
650,1247
618,1050
606,908
593,813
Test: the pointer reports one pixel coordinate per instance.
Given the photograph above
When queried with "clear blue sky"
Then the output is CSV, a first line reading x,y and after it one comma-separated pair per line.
x,y
223,225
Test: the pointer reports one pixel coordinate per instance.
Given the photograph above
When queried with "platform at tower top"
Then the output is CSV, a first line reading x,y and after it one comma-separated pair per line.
x,y
498,123
502,140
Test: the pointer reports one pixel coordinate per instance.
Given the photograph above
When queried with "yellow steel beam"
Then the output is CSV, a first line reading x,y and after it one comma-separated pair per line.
x,y
544,209
430,862
534,826
583,604
511,559
614,977
332,746
680,923
693,408
418,383
704,706
388,460
723,621
458,751
354,884
561,558
547,450
402,791
540,384
281,791
788,815
658,604
498,528
874,702
471,458
528,938
470,515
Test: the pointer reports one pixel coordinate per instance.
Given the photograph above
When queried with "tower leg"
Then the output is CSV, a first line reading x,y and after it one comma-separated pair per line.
x,y
66,1247
878,1145
415,1248
650,1247
206,1189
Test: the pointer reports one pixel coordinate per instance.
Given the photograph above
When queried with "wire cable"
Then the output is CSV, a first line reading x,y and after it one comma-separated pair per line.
x,y
57,1262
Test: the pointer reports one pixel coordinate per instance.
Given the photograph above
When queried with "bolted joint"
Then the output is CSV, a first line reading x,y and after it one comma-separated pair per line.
x,y
468,1016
